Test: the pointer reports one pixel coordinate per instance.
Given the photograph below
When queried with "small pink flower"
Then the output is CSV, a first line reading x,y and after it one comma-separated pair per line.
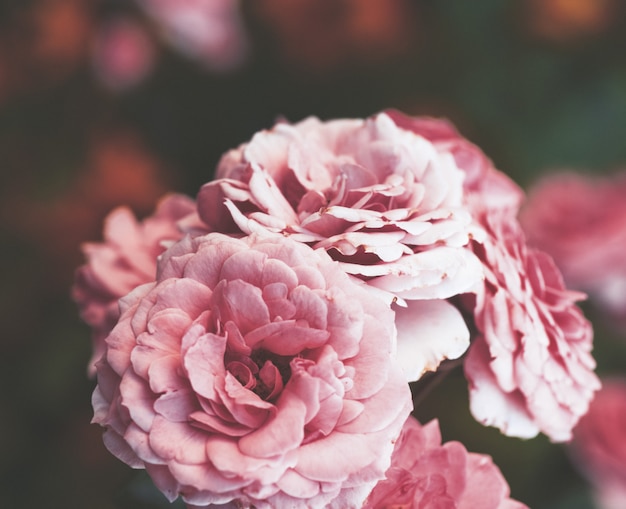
x,y
383,201
425,474
253,371
123,54
581,222
126,259
209,31
599,445
530,369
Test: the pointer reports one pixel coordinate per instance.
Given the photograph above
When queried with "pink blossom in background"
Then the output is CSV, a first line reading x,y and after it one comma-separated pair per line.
x,y
253,371
599,445
530,369
208,31
581,221
426,474
123,54
126,259
382,200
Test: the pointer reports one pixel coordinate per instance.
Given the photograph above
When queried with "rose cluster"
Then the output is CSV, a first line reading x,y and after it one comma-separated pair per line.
x,y
256,347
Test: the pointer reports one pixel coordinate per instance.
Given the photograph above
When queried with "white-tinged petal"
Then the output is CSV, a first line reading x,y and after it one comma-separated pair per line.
x,y
438,273
489,404
429,331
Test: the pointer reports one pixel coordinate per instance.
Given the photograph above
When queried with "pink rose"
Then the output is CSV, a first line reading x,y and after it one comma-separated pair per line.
x,y
126,259
599,445
530,369
425,474
382,200
379,198
253,371
581,222
209,31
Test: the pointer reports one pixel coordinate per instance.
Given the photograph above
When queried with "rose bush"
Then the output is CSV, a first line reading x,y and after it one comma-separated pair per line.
x,y
530,368
253,371
599,445
426,474
580,221
126,259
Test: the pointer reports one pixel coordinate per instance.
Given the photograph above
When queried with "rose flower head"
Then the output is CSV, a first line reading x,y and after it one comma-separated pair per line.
x,y
530,368
379,198
126,259
581,221
253,371
426,474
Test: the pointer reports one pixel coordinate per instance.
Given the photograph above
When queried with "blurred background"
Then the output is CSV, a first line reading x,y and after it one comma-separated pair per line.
x,y
111,102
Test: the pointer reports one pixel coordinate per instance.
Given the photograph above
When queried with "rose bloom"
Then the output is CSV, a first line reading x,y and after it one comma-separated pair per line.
x,y
425,473
208,31
382,200
530,368
599,445
253,371
126,259
581,221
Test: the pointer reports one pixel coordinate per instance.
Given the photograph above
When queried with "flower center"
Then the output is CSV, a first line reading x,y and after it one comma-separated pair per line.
x,y
264,373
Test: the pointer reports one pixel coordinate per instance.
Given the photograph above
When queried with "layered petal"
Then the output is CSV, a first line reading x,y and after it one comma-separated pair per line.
x,y
530,369
381,199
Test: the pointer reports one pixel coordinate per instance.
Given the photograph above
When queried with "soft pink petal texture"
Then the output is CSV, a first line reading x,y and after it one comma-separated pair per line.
x,y
386,202
579,220
425,474
599,445
429,331
253,371
531,368
126,259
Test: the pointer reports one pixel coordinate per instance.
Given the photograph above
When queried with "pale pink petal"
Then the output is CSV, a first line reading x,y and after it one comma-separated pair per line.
x,y
429,331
